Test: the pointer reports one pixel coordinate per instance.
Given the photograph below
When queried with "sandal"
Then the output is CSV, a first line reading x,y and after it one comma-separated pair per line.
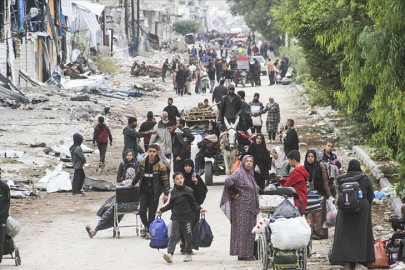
x,y
88,231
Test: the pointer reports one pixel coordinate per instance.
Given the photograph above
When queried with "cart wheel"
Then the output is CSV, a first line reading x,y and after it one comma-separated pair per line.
x,y
303,258
262,252
208,173
118,235
244,83
17,257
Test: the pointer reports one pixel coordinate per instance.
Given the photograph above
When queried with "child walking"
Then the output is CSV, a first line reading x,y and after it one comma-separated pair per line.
x,y
183,205
78,160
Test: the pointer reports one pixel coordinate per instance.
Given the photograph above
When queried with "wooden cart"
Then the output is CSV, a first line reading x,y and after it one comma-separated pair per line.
x,y
199,118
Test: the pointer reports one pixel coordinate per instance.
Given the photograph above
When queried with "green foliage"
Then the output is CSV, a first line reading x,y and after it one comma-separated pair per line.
x,y
186,26
297,61
106,65
258,18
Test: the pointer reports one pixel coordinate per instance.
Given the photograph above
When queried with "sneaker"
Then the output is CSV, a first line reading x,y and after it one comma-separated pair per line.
x,y
147,236
78,194
143,233
188,258
168,258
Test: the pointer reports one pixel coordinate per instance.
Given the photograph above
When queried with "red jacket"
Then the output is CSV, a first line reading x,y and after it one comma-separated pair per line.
x,y
298,180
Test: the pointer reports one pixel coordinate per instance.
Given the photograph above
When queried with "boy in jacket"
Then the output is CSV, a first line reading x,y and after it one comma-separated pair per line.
x,y
153,179
78,160
183,205
100,136
298,178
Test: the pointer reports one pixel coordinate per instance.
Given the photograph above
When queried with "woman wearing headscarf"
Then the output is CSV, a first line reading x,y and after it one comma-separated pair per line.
x,y
273,118
354,242
127,168
240,203
194,181
279,163
212,126
319,179
261,158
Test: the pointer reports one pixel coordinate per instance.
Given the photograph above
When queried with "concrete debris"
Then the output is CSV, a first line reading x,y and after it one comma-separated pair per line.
x,y
9,153
56,180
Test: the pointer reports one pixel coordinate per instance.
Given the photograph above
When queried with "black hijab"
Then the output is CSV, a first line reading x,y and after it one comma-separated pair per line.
x,y
314,169
354,166
259,151
187,176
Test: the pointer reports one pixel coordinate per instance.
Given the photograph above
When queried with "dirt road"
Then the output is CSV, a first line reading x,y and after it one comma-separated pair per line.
x,y
53,234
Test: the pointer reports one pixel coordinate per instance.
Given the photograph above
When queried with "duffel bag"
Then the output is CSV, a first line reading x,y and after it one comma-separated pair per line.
x,y
285,258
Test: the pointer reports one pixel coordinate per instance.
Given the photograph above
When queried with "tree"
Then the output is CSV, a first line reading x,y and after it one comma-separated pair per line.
x,y
258,18
186,26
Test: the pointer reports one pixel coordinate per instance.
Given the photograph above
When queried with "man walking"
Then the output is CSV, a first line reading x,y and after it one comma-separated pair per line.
x,y
171,110
178,146
145,126
290,138
131,137
101,135
165,67
270,68
162,136
187,136
219,91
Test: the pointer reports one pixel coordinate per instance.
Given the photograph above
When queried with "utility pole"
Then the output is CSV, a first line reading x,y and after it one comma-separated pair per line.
x,y
133,19
137,25
126,18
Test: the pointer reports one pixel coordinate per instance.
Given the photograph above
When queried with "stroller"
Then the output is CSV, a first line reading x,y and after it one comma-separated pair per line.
x,y
10,248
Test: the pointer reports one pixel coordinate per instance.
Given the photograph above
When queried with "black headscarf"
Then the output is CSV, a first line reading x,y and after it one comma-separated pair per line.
x,y
187,176
215,129
314,169
259,151
354,166
200,190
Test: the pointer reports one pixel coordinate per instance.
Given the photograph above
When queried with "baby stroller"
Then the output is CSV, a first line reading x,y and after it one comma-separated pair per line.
x,y
10,248
269,256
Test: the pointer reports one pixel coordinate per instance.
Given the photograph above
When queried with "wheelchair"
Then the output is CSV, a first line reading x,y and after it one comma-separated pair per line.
x,y
266,251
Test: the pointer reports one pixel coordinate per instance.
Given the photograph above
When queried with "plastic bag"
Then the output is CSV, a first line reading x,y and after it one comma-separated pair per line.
x,y
261,226
290,233
381,260
287,210
12,227
331,213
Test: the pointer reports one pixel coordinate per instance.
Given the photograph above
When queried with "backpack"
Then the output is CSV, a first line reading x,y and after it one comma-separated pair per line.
x,y
158,234
348,200
202,234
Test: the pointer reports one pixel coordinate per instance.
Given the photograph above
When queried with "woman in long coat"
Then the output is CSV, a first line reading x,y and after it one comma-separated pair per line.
x,y
273,118
318,177
354,241
240,203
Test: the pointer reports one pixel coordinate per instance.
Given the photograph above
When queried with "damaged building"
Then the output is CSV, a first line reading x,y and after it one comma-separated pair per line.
x,y
39,37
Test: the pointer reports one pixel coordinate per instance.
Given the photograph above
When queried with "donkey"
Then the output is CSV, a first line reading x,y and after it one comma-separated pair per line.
x,y
229,144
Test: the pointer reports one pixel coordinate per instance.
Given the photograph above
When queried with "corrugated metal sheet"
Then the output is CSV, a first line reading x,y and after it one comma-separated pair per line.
x,y
3,58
